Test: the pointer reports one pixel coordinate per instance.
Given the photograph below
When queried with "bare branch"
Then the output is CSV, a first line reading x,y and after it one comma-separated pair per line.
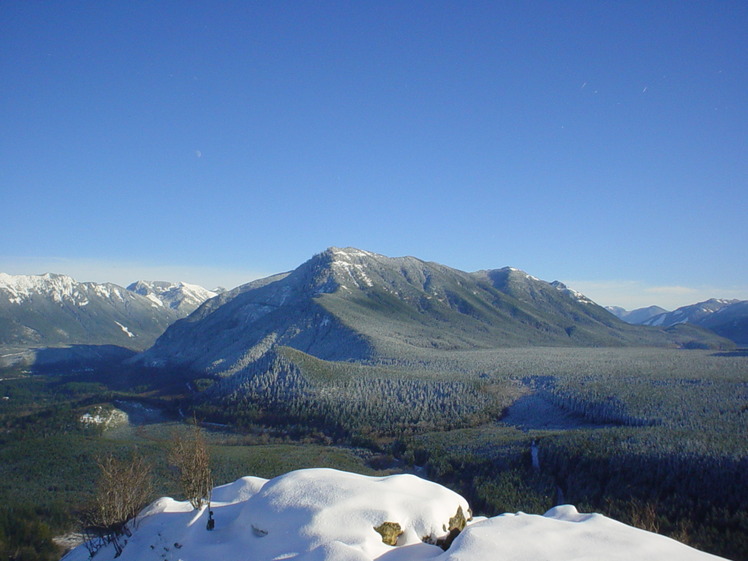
x,y
189,454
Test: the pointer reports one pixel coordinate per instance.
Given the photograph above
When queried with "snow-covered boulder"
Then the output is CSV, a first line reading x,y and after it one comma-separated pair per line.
x,y
563,534
326,506
330,515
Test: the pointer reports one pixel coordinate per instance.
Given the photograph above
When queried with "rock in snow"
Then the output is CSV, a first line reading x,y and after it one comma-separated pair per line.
x,y
329,515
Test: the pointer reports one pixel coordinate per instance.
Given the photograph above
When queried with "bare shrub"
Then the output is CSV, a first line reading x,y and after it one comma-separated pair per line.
x,y
124,487
644,515
189,454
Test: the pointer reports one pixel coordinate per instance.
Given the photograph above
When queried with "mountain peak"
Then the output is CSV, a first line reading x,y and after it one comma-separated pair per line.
x,y
728,318
350,304
348,253
35,280
337,268
23,287
54,309
179,296
721,301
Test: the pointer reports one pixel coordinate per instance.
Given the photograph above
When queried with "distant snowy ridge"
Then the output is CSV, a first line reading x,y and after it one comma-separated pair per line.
x,y
54,310
695,313
179,296
728,318
637,316
58,288
330,515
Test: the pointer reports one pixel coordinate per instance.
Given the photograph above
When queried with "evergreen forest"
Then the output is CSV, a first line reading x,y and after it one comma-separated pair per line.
x,y
652,437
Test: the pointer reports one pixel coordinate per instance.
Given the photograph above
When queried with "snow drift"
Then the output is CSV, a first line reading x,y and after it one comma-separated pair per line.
x,y
329,515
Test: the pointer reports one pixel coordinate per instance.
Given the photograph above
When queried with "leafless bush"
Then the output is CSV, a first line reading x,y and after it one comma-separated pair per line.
x,y
189,454
644,515
123,489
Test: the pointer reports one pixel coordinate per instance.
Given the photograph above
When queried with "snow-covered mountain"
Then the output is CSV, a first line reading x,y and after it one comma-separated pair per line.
x,y
180,296
694,313
53,310
349,304
730,322
330,515
728,318
637,316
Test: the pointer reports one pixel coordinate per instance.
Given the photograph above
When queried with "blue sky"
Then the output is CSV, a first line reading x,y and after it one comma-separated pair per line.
x,y
604,144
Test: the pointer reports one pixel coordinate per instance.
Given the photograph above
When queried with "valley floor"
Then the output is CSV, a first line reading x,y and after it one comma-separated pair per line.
x,y
650,437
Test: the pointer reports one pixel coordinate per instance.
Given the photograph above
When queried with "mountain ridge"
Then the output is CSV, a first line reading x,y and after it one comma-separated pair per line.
x,y
637,316
180,296
351,304
725,317
54,310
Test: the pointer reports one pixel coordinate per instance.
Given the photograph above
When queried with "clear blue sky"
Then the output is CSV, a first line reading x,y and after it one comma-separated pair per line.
x,y
604,144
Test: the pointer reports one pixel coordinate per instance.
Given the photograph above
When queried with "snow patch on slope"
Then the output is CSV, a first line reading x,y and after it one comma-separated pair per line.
x,y
353,262
578,296
125,329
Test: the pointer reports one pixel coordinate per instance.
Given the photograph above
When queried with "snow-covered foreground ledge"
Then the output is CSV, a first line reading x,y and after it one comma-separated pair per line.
x,y
329,515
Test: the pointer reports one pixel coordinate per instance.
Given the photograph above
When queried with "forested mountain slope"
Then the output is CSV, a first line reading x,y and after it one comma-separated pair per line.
x,y
52,310
52,318
727,318
349,304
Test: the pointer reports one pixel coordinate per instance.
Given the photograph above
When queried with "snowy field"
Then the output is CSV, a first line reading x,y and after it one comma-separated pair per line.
x,y
330,515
